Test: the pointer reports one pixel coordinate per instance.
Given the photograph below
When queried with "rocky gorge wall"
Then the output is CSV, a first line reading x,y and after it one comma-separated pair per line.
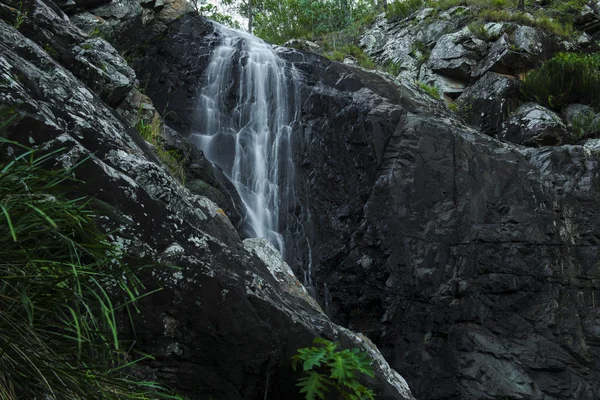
x,y
472,262
229,318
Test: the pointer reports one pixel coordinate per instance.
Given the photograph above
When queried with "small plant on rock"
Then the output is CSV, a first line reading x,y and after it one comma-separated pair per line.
x,y
326,367
430,90
565,79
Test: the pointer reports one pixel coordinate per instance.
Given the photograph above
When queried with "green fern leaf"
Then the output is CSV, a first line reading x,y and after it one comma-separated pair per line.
x,y
314,385
342,368
309,357
362,362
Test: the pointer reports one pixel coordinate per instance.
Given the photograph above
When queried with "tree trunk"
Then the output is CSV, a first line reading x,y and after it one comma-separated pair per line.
x,y
521,5
250,16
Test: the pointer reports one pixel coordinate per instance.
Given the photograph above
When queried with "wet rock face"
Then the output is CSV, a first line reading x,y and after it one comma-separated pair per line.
x,y
226,322
535,125
473,263
486,104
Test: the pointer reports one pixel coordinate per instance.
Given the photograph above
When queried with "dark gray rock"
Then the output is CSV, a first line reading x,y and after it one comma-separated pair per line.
x,y
487,103
104,70
304,45
582,120
524,49
229,318
403,42
448,86
535,125
588,19
117,21
451,57
472,263
578,112
74,6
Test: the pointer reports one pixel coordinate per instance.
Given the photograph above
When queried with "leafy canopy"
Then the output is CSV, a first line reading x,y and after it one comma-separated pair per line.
x,y
326,367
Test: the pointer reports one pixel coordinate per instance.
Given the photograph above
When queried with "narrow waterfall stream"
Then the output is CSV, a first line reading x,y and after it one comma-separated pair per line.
x,y
246,112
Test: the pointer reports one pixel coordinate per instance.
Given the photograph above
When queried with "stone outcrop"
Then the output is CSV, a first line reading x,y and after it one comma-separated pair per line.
x,y
472,263
535,125
487,103
225,323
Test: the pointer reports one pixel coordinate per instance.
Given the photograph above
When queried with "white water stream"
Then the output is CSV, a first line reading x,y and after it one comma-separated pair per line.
x,y
247,108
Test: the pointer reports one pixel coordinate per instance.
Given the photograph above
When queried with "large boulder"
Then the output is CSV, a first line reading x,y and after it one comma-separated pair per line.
x,y
451,56
535,125
407,42
487,103
104,70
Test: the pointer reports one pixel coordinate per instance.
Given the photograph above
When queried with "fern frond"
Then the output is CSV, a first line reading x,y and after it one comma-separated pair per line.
x,y
314,385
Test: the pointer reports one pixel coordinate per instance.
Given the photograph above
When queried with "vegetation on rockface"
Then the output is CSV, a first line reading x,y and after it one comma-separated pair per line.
x,y
151,132
326,367
346,50
62,288
566,78
586,125
556,17
433,91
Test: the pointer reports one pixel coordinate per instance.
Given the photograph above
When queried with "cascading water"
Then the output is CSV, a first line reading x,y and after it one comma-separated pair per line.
x,y
246,112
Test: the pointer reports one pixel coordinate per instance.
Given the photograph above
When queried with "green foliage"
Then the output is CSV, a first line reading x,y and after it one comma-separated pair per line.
x,y
20,16
402,9
211,12
564,79
151,132
349,50
327,367
538,20
61,286
556,17
430,90
393,68
280,20
453,107
478,29
585,125
51,51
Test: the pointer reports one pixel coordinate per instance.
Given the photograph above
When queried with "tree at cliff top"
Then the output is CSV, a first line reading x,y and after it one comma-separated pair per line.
x,y
280,20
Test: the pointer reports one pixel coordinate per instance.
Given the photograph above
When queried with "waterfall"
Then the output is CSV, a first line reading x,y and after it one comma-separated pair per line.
x,y
246,111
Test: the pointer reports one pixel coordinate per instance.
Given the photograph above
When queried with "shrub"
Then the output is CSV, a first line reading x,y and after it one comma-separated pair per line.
x,y
430,90
324,366
566,78
151,132
393,68
585,125
403,8
61,286
339,53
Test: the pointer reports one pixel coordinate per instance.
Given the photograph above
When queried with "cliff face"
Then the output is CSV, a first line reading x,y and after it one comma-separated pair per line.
x,y
230,317
472,263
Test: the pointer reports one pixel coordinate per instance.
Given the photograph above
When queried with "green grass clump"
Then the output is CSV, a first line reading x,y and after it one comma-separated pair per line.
x,y
430,90
539,20
393,68
566,78
402,9
585,125
151,132
353,50
62,288
326,367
